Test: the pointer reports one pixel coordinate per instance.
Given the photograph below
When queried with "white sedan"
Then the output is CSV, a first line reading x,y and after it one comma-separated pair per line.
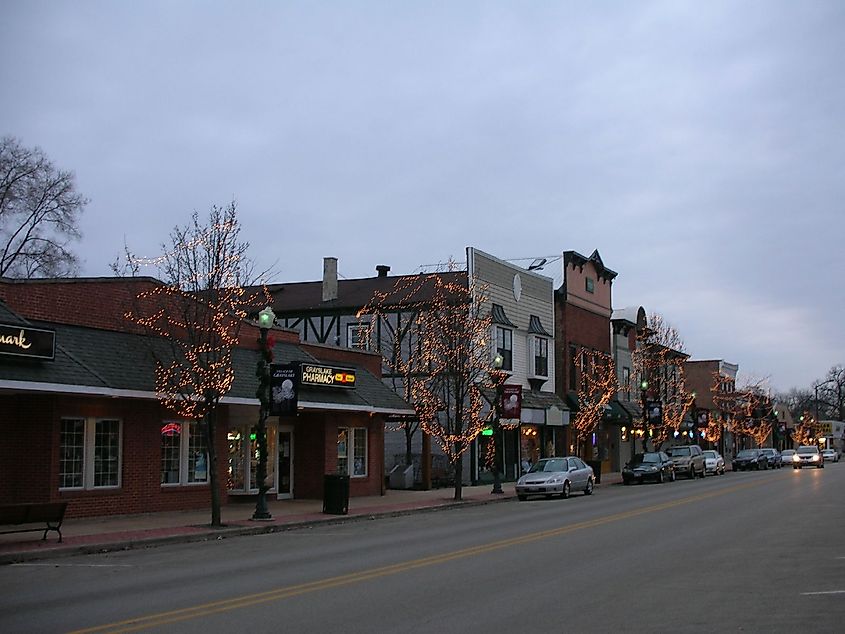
x,y
713,462
830,455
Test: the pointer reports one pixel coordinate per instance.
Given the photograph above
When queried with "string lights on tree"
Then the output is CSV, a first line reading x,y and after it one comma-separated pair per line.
x,y
597,384
659,358
195,318
442,353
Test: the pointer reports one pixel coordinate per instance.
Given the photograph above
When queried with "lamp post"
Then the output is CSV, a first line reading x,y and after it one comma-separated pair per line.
x,y
265,321
644,400
498,376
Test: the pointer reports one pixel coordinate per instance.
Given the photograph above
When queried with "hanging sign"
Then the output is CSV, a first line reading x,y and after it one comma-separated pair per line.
x,y
511,401
327,376
284,386
23,341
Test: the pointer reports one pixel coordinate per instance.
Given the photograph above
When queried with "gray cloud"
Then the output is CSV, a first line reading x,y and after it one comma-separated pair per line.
x,y
698,146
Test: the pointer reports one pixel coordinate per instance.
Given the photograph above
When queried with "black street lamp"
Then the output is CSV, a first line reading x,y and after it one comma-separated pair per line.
x,y
498,377
644,401
265,321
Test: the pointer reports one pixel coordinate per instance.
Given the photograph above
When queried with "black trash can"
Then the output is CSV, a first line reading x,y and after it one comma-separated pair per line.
x,y
596,465
336,494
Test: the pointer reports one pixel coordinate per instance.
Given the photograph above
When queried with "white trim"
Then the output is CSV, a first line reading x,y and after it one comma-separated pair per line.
x,y
63,388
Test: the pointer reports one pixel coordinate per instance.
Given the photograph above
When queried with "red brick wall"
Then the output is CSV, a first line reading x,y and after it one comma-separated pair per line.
x,y
316,453
369,360
699,379
30,457
95,302
580,327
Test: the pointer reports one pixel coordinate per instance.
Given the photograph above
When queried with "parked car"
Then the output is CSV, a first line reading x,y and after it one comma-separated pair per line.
x,y
556,476
750,459
688,459
786,456
651,465
808,455
830,455
713,462
773,457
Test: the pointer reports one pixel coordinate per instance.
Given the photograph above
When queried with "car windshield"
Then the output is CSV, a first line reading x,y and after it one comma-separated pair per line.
x,y
768,451
808,450
788,452
679,451
645,457
746,453
549,465
710,454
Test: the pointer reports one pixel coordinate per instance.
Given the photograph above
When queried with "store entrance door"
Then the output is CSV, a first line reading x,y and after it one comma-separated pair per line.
x,y
284,478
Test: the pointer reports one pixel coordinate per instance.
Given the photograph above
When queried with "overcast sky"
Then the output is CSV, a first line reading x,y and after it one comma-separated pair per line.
x,y
699,146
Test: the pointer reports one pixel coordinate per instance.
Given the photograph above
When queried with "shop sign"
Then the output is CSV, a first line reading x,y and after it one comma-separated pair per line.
x,y
512,401
284,389
327,376
23,341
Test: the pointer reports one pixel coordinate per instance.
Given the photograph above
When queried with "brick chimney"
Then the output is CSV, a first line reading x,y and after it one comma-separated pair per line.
x,y
383,270
329,279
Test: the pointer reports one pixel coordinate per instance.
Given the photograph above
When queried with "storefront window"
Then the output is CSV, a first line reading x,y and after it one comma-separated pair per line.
x,y
184,456
358,451
529,445
343,451
72,443
235,475
171,445
89,453
243,451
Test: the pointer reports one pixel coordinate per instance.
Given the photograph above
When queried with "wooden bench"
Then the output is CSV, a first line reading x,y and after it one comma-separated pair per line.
x,y
48,514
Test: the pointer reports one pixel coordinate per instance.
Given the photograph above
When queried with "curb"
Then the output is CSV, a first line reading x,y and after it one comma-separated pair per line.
x,y
206,533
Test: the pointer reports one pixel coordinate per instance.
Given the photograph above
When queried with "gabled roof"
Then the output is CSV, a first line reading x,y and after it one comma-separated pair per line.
x,y
301,297
575,258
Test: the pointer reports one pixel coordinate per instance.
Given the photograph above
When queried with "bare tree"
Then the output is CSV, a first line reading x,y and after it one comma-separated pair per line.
x,y
199,312
831,391
39,214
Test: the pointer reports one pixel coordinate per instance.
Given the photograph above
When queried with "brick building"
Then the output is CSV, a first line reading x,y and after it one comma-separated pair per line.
x,y
83,423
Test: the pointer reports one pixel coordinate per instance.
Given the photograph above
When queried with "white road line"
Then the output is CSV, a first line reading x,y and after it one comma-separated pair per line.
x,y
823,592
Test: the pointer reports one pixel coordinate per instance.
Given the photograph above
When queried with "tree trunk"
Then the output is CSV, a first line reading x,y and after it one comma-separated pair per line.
x,y
409,436
210,440
459,469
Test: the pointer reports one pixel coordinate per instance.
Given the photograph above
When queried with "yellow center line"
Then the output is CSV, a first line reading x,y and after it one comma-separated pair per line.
x,y
277,594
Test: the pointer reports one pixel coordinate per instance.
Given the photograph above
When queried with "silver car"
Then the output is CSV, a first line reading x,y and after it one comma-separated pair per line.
x,y
830,455
808,455
713,462
556,476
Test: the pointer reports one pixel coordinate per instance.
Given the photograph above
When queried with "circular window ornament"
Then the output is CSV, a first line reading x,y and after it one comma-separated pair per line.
x,y
517,287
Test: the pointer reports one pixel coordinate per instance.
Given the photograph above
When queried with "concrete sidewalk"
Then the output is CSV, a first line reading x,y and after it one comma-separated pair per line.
x,y
103,534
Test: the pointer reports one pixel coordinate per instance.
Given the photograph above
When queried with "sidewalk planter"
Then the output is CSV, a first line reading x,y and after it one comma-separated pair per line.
x,y
336,494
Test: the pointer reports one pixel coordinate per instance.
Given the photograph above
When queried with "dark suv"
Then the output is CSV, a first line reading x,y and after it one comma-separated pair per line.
x,y
688,459
772,457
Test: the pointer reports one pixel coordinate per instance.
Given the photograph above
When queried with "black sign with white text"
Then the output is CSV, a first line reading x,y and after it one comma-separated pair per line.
x,y
284,388
23,341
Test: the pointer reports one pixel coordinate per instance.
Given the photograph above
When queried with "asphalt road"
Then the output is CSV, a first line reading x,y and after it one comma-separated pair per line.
x,y
752,551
